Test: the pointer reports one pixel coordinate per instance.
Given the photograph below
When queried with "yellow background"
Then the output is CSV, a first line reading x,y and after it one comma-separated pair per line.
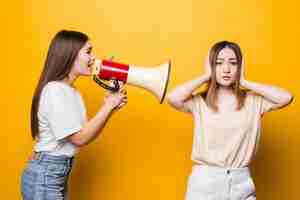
x,y
144,151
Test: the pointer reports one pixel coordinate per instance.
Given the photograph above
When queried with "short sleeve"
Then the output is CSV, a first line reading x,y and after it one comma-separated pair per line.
x,y
264,105
191,105
62,110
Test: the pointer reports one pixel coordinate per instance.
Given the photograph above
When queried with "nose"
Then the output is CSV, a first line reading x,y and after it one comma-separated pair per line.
x,y
226,68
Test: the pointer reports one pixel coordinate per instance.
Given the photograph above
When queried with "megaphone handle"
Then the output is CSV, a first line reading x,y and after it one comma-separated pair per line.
x,y
116,84
107,87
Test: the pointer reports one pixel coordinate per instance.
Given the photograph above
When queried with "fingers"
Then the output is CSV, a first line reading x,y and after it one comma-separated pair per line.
x,y
121,84
123,91
207,56
119,98
124,98
207,63
243,64
123,103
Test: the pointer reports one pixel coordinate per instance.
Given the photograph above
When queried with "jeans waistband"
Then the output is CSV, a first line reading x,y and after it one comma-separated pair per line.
x,y
51,159
227,170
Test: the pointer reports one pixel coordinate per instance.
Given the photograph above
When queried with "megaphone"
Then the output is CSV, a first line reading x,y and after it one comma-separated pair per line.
x,y
155,80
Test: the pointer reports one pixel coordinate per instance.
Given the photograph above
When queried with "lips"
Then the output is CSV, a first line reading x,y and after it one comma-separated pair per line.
x,y
90,63
226,77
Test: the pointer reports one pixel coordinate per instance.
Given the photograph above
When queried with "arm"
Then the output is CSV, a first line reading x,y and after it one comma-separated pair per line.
x,y
276,95
179,97
93,127
280,97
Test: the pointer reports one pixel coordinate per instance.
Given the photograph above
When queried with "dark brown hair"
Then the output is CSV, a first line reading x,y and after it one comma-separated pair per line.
x,y
210,94
62,53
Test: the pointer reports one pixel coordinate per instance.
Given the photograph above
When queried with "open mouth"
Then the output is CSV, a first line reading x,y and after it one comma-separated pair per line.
x,y
90,65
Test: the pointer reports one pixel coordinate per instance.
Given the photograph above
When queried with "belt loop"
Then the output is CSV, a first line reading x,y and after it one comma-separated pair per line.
x,y
37,156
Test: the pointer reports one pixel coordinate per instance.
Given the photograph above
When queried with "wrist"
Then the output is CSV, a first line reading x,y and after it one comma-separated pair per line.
x,y
108,107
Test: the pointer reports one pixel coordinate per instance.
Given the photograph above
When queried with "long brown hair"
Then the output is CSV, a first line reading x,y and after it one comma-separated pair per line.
x,y
62,53
210,94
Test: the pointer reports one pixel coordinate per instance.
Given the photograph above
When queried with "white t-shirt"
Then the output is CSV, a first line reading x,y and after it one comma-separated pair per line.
x,y
61,113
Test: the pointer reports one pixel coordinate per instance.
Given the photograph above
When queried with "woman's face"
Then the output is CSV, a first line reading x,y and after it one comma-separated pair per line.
x,y
84,60
226,67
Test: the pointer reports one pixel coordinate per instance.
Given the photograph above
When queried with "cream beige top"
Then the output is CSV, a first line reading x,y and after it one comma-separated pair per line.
x,y
227,139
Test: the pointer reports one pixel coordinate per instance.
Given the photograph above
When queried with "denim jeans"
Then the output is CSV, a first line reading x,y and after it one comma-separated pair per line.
x,y
46,177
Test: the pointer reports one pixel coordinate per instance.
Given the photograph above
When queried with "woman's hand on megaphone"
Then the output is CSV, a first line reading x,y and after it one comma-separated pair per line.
x,y
116,100
123,91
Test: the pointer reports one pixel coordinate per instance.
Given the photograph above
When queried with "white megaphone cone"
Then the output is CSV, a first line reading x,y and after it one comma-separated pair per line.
x,y
155,80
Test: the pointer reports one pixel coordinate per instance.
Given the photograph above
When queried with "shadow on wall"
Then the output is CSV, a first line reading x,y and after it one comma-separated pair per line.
x,y
274,169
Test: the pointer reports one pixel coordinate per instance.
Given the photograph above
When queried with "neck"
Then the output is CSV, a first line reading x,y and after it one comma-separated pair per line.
x,y
225,90
70,79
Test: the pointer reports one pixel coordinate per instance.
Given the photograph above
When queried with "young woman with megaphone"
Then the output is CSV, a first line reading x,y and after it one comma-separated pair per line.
x,y
58,117
226,124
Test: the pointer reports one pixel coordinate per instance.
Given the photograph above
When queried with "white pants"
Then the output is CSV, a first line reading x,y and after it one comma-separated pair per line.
x,y
213,183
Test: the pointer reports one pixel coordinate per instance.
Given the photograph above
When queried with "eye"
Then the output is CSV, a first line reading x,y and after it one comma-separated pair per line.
x,y
218,63
88,50
233,63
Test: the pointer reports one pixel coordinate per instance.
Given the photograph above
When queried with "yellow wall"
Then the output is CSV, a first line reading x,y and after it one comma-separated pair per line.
x,y
144,152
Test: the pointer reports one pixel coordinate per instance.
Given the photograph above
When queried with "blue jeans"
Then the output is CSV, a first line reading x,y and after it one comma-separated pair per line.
x,y
46,177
